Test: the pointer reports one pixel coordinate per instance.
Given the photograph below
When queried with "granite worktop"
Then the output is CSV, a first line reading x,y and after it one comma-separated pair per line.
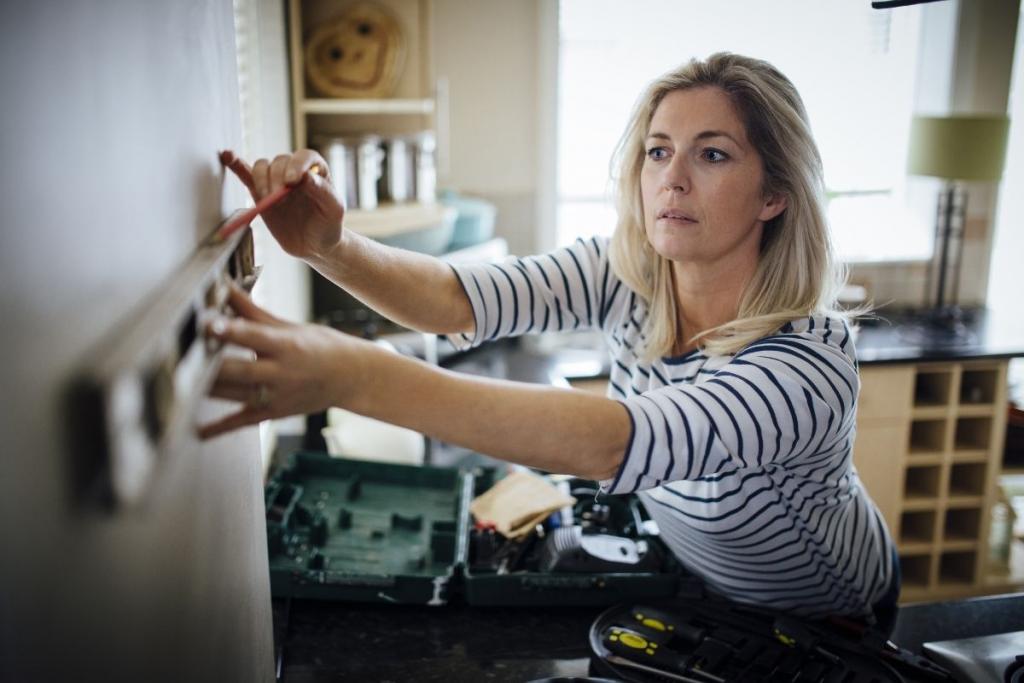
x,y
331,641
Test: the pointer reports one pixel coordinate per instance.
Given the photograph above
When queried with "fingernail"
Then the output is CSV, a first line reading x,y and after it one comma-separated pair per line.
x,y
218,326
291,176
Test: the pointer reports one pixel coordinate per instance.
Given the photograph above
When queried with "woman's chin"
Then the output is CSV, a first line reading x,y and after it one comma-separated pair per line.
x,y
675,248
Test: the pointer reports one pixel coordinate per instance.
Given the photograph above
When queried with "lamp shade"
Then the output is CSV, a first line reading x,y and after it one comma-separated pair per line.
x,y
958,147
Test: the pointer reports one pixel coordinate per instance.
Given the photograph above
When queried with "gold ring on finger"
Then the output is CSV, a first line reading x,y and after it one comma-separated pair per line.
x,y
262,398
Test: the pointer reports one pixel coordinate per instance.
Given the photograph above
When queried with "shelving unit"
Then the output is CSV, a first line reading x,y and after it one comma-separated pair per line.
x,y
412,107
928,450
417,103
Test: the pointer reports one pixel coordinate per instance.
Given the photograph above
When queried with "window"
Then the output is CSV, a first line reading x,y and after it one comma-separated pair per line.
x,y
856,69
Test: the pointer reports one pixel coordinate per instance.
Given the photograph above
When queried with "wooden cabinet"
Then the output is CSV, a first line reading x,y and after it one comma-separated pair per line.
x,y
929,450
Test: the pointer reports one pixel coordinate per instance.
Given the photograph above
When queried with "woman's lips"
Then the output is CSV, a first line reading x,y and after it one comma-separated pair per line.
x,y
677,221
675,216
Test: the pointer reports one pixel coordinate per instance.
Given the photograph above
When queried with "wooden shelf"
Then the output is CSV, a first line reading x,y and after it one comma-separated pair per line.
x,y
395,219
964,501
930,412
924,458
915,548
929,450
372,107
914,503
958,545
971,410
968,456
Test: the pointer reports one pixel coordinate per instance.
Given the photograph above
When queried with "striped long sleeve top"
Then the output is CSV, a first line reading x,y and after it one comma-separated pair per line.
x,y
744,460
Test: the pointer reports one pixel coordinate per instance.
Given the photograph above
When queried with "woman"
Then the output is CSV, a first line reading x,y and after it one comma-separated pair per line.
x,y
733,390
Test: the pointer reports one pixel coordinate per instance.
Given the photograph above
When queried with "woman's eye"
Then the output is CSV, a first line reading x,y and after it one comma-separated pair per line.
x,y
714,155
657,153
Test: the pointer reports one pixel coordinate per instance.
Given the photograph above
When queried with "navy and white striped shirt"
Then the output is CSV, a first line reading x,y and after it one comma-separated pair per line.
x,y
744,460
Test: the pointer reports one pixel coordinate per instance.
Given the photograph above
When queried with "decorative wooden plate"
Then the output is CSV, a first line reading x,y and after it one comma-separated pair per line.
x,y
359,54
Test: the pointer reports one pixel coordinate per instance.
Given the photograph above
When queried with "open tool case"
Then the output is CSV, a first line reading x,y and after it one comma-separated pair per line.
x,y
374,532
710,640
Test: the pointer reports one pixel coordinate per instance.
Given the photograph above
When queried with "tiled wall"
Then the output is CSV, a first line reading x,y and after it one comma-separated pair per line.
x,y
903,284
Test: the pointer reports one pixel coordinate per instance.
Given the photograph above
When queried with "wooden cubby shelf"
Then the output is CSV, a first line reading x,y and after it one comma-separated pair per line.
x,y
932,389
973,434
958,567
922,483
962,524
967,479
928,450
978,387
917,526
927,436
916,570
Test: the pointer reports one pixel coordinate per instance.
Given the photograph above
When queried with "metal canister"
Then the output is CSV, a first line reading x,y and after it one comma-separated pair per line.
x,y
396,181
425,167
341,159
368,169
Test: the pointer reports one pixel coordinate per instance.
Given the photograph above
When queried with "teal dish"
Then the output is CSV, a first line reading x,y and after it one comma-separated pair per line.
x,y
433,239
475,222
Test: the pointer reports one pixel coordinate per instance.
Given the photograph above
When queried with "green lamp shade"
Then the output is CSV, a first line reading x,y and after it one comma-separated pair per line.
x,y
958,147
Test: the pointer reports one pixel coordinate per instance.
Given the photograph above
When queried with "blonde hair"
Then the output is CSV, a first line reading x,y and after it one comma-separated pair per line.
x,y
797,274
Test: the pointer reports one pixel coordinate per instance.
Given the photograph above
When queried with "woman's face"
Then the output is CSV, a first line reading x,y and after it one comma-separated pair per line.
x,y
701,181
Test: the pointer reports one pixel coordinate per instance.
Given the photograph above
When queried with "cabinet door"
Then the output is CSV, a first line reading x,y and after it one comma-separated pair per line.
x,y
878,454
886,392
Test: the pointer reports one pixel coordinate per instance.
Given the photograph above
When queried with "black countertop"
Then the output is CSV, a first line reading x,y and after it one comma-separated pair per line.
x,y
325,641
885,338
902,337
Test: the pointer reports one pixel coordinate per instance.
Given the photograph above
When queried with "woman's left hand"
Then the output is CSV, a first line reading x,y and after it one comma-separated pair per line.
x,y
297,368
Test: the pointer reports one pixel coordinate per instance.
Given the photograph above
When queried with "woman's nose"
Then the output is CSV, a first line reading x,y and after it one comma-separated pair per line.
x,y
676,175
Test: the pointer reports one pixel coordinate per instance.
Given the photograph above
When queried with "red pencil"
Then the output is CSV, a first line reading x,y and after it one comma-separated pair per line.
x,y
246,217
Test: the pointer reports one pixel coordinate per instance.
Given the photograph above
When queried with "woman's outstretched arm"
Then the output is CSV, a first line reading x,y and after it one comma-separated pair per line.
x,y
307,368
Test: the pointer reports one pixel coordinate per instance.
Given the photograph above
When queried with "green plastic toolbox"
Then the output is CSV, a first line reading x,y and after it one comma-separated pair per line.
x,y
361,531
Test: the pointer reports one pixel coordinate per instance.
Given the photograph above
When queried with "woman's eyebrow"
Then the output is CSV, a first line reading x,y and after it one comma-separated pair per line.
x,y
715,134
703,135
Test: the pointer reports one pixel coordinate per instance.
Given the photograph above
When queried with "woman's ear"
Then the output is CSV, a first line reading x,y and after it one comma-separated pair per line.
x,y
774,204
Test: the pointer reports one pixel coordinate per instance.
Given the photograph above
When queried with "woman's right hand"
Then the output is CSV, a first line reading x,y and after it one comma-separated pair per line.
x,y
308,222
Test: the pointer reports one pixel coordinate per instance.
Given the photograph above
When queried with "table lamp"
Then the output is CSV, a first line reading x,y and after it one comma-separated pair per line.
x,y
957,149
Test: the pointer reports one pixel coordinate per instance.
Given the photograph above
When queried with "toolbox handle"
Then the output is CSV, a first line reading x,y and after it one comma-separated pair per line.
x,y
359,580
561,582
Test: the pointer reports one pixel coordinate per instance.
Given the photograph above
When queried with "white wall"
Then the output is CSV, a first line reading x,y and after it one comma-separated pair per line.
x,y
980,76
1008,248
110,121
487,49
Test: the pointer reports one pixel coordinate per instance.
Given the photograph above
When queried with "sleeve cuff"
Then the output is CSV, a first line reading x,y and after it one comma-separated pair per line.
x,y
470,285
620,482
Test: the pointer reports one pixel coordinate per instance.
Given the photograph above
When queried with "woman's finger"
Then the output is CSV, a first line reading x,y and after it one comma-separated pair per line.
x,y
242,392
259,337
239,168
242,304
260,179
277,170
300,163
242,418
251,372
